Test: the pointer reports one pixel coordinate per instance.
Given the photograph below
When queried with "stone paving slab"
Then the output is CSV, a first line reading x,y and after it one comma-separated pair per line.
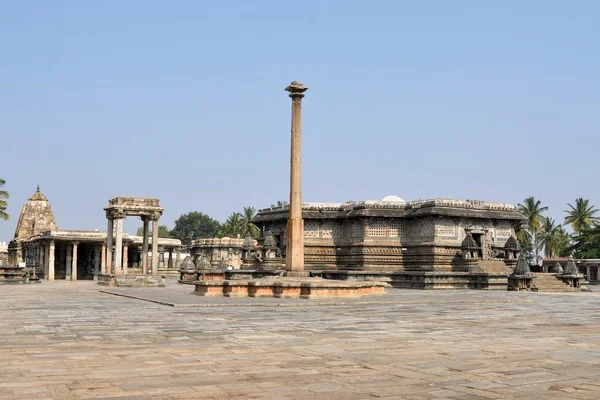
x,y
65,340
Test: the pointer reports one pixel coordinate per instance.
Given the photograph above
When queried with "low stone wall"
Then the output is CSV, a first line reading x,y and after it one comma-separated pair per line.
x,y
449,280
424,280
131,280
235,275
284,288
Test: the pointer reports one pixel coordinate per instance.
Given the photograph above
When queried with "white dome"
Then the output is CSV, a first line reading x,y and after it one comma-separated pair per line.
x,y
393,198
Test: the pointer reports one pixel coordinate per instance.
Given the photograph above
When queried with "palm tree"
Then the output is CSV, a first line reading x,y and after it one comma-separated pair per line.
x,y
280,203
247,225
532,209
563,242
581,217
548,237
232,227
3,204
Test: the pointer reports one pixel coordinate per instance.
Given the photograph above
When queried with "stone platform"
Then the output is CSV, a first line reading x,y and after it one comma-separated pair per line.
x,y
289,287
131,280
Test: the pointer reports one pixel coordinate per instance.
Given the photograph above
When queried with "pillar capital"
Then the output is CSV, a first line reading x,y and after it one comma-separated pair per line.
x,y
296,90
155,216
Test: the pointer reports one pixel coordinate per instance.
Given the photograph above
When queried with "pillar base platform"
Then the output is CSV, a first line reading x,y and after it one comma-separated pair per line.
x,y
131,280
297,274
286,287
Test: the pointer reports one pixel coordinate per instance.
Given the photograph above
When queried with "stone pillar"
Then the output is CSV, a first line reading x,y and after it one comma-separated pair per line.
x,y
97,255
109,244
154,245
119,246
125,258
588,273
145,246
103,258
42,264
74,265
170,262
51,261
295,228
68,264
161,257
177,261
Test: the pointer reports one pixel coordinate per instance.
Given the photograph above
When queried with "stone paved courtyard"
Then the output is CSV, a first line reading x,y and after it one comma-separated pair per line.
x,y
66,340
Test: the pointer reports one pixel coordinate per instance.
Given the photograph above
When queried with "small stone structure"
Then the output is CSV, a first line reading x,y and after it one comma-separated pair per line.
x,y
148,209
571,275
219,251
589,267
522,277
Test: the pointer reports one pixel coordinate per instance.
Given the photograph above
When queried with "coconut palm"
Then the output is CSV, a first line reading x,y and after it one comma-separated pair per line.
x,y
280,203
247,225
3,204
532,209
563,242
548,237
581,217
233,226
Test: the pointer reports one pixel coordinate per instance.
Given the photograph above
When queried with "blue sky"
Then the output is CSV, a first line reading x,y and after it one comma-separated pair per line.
x,y
185,101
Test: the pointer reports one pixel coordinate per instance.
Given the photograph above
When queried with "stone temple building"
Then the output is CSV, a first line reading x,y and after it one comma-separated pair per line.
x,y
73,254
393,235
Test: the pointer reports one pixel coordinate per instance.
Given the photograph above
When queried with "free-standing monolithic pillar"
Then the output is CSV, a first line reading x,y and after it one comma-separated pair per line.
x,y
294,260
155,244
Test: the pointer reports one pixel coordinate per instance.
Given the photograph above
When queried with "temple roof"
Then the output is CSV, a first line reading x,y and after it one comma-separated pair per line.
x,y
38,196
469,242
511,244
522,269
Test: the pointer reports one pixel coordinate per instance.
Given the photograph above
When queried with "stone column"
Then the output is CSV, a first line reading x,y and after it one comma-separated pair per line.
x,y
177,251
295,228
51,261
103,258
109,244
588,273
154,245
125,258
161,257
170,262
119,246
97,252
145,246
42,264
69,264
74,261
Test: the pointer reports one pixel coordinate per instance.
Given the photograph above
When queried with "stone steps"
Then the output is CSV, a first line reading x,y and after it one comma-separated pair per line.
x,y
549,283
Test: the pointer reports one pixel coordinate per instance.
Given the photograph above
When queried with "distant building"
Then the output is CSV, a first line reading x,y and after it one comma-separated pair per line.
x,y
589,267
38,242
394,235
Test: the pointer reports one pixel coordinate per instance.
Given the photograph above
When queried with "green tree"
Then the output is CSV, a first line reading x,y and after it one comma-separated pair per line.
x,y
586,244
247,225
3,203
163,232
194,225
582,216
563,242
548,237
280,203
233,226
532,209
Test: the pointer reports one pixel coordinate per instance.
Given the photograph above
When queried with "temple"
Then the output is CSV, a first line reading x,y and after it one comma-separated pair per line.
x,y
78,254
393,235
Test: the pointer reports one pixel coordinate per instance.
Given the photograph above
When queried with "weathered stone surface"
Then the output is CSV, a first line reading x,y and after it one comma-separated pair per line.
x,y
79,343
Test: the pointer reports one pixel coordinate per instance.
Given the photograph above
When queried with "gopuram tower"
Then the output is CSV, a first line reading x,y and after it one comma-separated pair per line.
x,y
294,260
